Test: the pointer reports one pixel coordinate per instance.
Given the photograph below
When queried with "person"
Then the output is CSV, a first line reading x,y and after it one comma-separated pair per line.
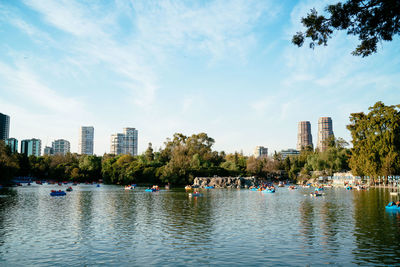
x,y
398,203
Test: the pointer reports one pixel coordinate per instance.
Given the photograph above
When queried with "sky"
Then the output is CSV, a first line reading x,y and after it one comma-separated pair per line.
x,y
226,68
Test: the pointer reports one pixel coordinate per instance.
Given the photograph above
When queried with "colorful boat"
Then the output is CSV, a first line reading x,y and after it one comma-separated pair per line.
x,y
269,191
349,188
151,190
188,187
392,207
128,187
209,187
195,194
54,193
69,189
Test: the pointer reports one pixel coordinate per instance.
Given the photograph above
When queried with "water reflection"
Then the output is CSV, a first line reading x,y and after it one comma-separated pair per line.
x,y
113,226
377,232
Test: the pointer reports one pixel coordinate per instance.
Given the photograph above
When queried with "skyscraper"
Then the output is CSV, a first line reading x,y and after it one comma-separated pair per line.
x,y
4,126
13,144
325,130
31,147
125,143
304,137
60,147
85,145
260,151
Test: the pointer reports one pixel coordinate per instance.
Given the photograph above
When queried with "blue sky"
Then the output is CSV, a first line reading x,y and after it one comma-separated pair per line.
x,y
226,68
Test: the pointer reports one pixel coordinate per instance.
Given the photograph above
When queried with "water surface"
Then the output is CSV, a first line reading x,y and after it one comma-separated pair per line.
x,y
111,226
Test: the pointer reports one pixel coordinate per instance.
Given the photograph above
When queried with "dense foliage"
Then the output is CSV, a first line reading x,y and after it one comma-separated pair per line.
x,y
376,151
376,141
372,21
181,160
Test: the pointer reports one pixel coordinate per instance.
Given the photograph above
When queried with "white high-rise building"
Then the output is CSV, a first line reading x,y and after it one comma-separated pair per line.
x,y
86,136
125,143
61,147
325,130
260,152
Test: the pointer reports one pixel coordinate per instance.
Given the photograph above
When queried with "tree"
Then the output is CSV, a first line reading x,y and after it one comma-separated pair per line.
x,y
372,21
376,142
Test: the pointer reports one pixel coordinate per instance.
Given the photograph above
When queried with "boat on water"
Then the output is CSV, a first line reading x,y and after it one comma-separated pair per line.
x,y
292,187
269,190
188,187
315,194
128,187
209,187
281,184
392,207
349,187
69,189
54,193
155,188
195,194
361,187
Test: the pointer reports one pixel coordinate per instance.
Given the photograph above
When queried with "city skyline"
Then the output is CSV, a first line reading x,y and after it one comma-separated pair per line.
x,y
227,69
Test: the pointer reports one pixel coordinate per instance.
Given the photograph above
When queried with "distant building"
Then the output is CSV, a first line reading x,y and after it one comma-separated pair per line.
x,y
325,130
13,144
4,126
61,147
86,136
304,137
125,143
48,150
31,147
260,151
289,152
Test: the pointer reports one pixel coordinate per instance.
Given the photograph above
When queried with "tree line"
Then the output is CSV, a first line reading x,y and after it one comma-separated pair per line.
x,y
376,147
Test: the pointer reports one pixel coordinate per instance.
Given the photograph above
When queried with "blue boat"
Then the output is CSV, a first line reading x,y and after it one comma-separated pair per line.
x,y
195,195
151,190
209,187
57,193
254,189
320,189
392,207
269,191
97,185
349,188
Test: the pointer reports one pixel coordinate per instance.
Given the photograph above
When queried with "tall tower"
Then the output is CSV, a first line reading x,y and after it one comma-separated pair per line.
x,y
86,136
260,152
325,130
4,126
304,137
125,143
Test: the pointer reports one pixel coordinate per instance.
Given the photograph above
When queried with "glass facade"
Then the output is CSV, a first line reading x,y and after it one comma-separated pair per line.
x,y
61,147
13,144
86,137
125,143
4,126
31,147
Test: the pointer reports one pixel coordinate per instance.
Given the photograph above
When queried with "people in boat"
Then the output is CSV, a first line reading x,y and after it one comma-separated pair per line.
x,y
398,203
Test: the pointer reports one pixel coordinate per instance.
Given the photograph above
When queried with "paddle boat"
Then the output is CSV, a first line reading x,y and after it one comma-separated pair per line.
x,y
151,190
155,188
69,189
292,187
269,190
188,187
349,187
54,193
319,189
97,185
195,194
209,187
392,207
128,187
281,184
315,194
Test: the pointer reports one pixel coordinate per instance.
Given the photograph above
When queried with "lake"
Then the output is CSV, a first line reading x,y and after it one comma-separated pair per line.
x,y
111,226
